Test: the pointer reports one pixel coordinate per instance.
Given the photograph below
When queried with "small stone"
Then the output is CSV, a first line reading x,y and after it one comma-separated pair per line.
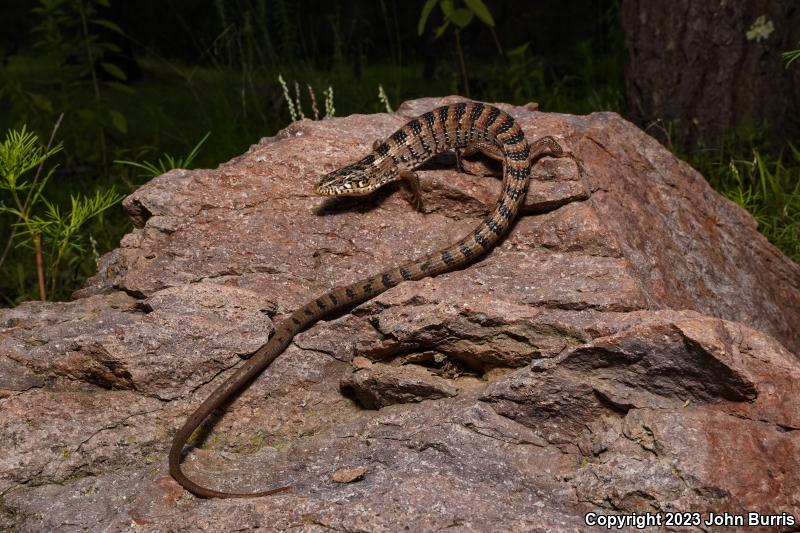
x,y
361,362
349,475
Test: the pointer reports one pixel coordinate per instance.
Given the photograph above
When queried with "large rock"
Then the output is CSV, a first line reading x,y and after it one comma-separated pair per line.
x,y
632,346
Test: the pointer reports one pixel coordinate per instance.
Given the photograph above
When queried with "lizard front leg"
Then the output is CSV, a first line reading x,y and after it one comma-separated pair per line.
x,y
412,181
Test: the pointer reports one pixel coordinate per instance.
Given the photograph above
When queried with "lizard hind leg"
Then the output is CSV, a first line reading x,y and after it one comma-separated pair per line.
x,y
550,146
489,151
461,153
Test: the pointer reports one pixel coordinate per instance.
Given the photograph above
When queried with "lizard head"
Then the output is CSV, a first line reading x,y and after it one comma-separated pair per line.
x,y
358,179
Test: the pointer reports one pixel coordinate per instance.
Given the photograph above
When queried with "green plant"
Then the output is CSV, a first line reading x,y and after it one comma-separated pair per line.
x,y
329,109
62,231
245,39
768,186
384,99
19,154
244,44
520,79
460,18
392,32
70,37
295,106
39,223
770,191
790,56
288,98
166,162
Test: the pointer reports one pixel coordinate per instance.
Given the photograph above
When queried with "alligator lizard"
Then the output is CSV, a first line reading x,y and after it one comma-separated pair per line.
x,y
465,128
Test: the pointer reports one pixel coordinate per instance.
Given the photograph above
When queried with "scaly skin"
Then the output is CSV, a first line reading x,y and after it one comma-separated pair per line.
x,y
465,128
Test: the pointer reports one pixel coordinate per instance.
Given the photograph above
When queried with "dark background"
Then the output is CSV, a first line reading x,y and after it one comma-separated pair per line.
x,y
139,80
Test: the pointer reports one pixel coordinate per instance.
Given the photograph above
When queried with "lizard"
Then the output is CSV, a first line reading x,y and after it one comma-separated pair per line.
x,y
466,128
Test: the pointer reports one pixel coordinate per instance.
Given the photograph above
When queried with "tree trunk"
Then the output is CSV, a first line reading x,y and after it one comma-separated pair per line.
x,y
696,69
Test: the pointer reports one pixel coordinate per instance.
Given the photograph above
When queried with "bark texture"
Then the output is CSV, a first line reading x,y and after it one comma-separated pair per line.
x,y
696,69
